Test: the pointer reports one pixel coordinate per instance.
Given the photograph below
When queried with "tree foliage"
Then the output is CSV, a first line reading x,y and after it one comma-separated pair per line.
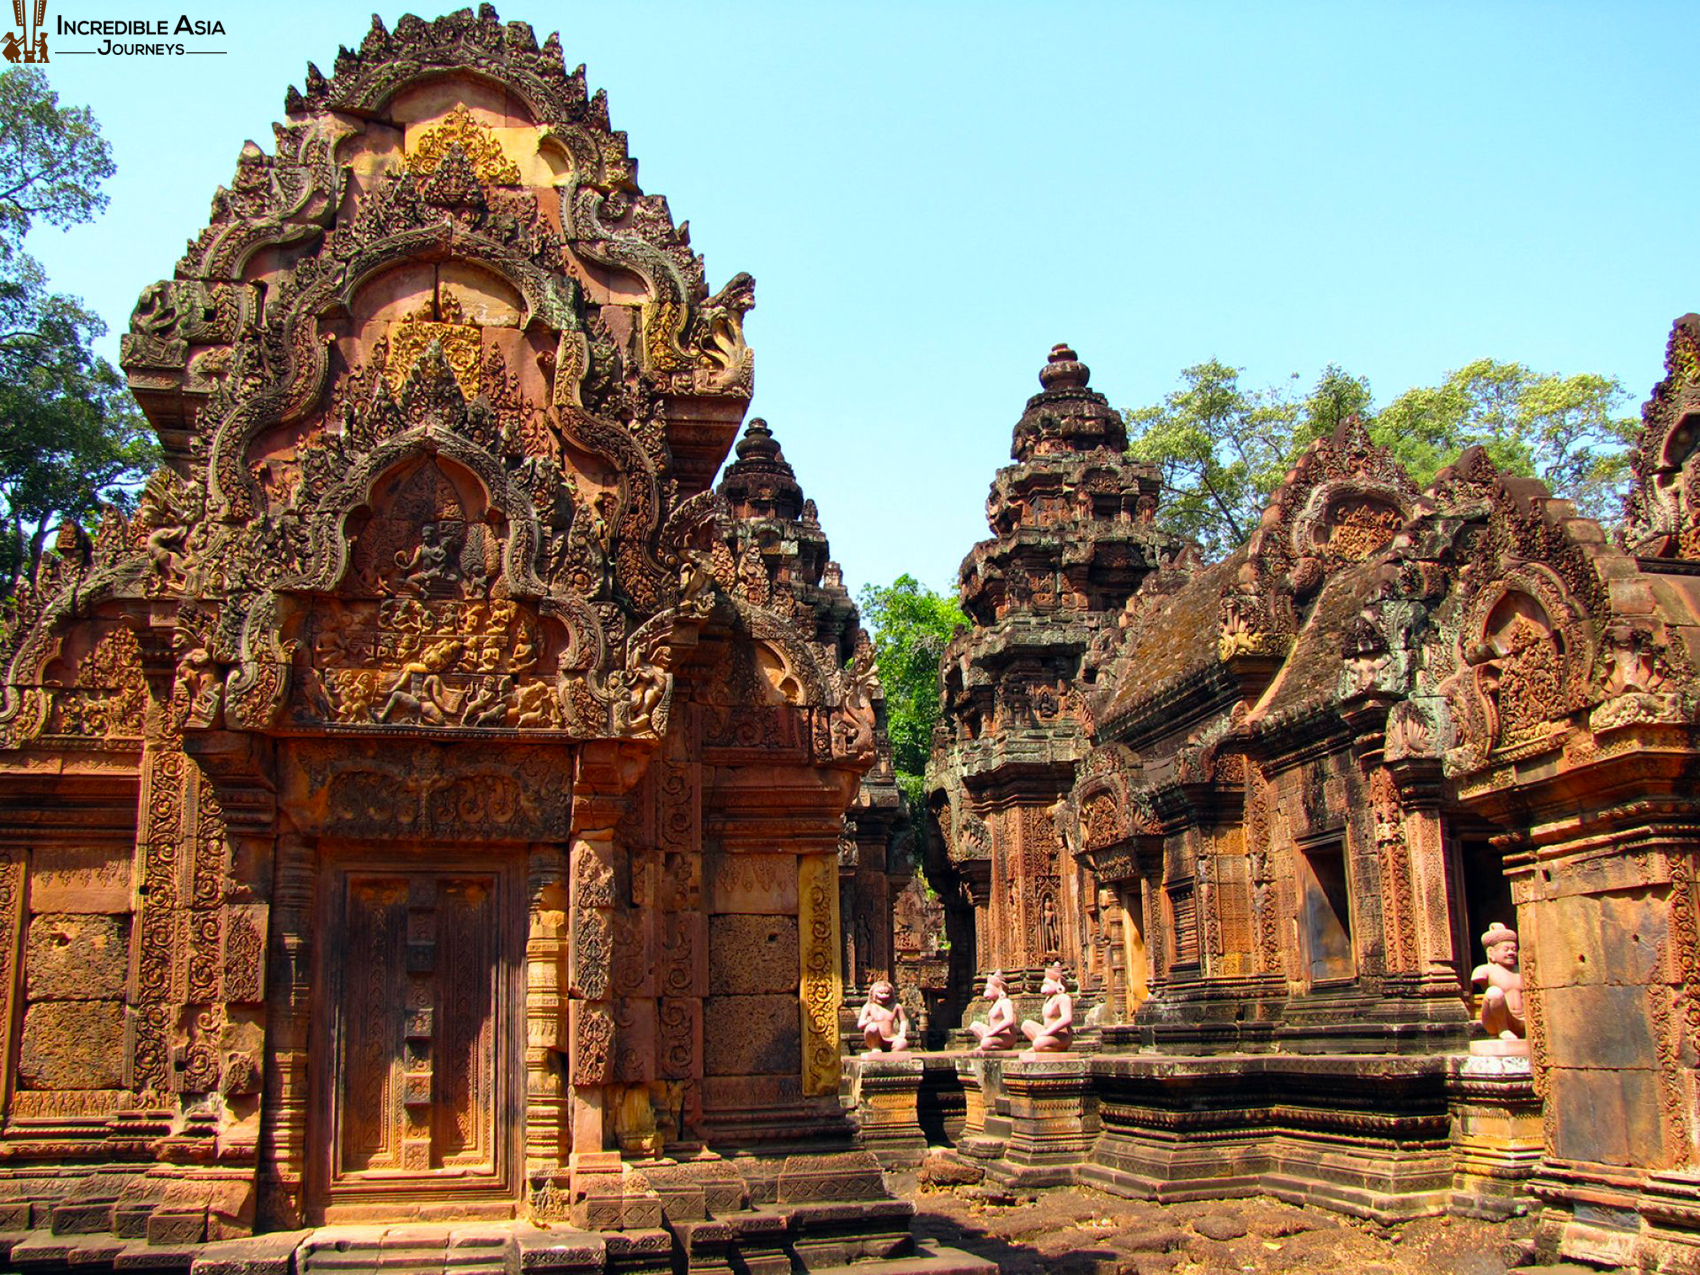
x,y
70,434
1219,448
1222,449
911,625
1568,431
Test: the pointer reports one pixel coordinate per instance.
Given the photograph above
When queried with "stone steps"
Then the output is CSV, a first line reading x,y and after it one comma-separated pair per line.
x,y
806,1240
925,1260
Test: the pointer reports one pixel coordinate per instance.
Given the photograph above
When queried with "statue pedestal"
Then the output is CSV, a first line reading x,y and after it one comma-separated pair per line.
x,y
1053,1120
1496,1129
1499,1048
885,1093
984,1130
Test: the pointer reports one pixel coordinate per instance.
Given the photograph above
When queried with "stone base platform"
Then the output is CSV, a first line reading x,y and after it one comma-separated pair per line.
x,y
1380,1136
698,1214
1368,1135
798,1241
1496,1133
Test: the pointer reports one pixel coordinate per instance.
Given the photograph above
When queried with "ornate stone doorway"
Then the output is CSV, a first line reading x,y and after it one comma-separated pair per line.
x,y
416,1048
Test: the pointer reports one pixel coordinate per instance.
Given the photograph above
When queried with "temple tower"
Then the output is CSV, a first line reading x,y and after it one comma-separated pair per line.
x,y
1073,535
783,559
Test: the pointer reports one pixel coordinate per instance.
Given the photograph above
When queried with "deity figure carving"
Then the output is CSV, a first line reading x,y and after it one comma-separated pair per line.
x,y
1502,997
198,674
432,562
884,1025
419,690
1050,926
696,586
1055,1033
998,1031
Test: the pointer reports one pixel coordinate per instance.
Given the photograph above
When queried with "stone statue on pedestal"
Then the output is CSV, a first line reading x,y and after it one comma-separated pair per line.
x,y
1502,999
885,1027
1055,1033
998,1031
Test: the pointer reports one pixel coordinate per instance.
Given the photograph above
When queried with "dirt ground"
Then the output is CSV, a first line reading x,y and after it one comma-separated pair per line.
x,y
1080,1231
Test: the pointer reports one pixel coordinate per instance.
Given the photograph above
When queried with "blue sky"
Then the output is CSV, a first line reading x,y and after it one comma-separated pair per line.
x,y
931,195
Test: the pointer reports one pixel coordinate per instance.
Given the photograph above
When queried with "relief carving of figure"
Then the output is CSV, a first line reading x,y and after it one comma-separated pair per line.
x,y
419,691
535,707
198,674
488,704
1520,675
168,514
1502,984
646,682
853,725
434,561
998,1031
696,585
884,1025
1050,927
1055,1033
648,686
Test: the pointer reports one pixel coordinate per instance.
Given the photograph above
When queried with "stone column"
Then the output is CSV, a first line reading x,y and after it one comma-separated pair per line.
x,y
548,1117
14,865
1429,920
288,1025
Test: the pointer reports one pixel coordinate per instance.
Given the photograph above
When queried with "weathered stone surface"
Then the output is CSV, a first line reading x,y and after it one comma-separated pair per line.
x,y
1220,1226
72,956
762,884
72,1045
752,1035
749,955
80,879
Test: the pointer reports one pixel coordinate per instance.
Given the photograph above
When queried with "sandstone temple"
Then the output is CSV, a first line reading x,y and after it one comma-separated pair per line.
x,y
450,824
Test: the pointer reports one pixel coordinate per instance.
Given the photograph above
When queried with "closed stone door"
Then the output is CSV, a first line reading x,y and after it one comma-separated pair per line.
x,y
420,965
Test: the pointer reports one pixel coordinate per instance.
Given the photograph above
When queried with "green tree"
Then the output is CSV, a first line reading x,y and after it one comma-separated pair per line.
x,y
1219,449
911,625
1336,396
70,434
1568,431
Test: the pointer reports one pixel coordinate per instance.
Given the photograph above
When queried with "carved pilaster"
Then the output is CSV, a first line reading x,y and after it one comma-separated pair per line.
x,y
547,1109
590,948
14,865
155,946
822,988
1429,922
284,1144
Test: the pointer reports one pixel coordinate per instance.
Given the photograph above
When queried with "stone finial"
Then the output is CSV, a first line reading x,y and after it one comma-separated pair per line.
x,y
1065,417
758,442
1065,371
760,483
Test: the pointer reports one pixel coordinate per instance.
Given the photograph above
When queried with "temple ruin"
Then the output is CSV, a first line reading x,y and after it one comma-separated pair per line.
x,y
1370,847
438,797
450,823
